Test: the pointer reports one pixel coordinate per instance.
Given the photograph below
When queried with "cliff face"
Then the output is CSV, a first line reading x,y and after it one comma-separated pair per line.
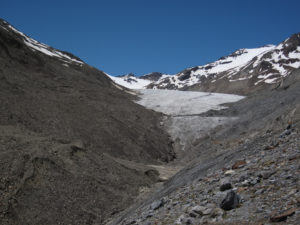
x,y
68,137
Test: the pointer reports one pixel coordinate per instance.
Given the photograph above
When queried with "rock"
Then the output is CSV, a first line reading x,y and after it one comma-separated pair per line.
x,y
293,157
283,216
254,181
207,211
131,222
179,219
231,201
193,214
266,174
217,212
225,185
150,214
238,164
285,133
259,191
187,221
77,146
229,172
198,209
157,204
210,205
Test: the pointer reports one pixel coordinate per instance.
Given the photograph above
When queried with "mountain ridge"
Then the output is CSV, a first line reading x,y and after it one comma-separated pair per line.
x,y
70,139
243,71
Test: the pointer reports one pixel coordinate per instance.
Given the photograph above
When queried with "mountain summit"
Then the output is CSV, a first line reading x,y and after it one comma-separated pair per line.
x,y
243,71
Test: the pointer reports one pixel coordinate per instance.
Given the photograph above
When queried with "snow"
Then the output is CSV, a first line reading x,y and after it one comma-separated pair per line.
x,y
295,64
270,81
47,50
135,83
233,62
295,54
230,64
239,79
177,103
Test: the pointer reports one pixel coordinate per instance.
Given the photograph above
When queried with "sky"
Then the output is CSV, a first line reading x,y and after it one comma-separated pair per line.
x,y
143,36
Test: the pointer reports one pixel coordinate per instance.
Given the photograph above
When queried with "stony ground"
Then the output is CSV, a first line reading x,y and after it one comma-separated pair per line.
x,y
262,187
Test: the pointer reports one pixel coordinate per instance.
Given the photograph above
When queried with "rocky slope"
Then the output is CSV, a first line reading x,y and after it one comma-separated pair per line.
x,y
243,173
69,137
242,72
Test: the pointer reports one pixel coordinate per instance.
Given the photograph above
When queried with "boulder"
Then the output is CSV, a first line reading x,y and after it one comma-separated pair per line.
x,y
231,201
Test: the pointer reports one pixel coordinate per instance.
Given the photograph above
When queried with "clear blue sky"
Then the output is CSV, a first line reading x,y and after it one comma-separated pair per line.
x,y
141,36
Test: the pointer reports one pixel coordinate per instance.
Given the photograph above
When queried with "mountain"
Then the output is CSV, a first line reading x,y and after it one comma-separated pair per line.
x,y
242,72
244,172
74,147
154,76
130,81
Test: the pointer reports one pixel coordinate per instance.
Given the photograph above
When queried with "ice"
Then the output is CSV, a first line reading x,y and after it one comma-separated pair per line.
x,y
190,128
183,122
177,103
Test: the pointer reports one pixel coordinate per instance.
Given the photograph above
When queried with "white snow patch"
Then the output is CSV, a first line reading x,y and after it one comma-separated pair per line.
x,y
239,79
130,82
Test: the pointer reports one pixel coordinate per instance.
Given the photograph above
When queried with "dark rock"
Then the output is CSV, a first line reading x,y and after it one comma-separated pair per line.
x,y
231,201
193,214
225,186
285,133
188,221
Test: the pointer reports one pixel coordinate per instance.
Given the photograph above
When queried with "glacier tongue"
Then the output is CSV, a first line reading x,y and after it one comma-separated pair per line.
x,y
182,109
182,103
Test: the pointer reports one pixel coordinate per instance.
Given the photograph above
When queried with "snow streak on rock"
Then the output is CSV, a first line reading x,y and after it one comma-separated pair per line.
x,y
45,49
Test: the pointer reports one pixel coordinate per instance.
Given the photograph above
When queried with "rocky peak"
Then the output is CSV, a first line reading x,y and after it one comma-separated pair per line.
x,y
154,76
